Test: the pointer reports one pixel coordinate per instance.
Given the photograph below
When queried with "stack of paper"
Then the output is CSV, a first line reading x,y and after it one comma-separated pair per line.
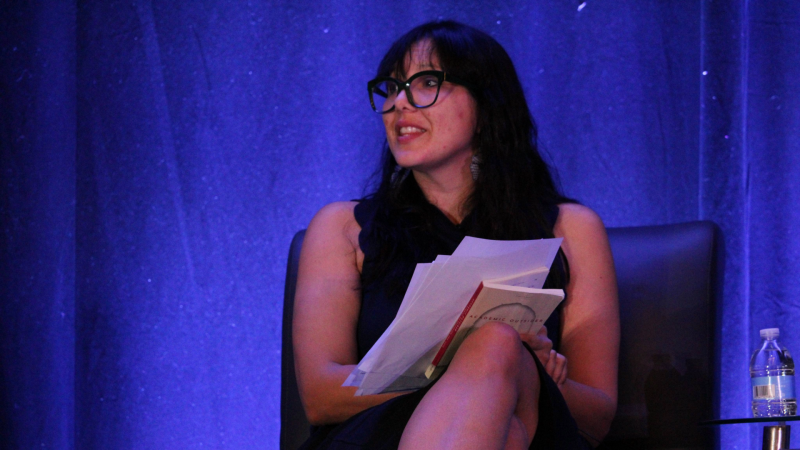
x,y
436,296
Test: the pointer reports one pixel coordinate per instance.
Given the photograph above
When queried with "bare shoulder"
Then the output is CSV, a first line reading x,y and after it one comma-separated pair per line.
x,y
335,220
335,213
591,265
332,239
575,220
587,249
592,289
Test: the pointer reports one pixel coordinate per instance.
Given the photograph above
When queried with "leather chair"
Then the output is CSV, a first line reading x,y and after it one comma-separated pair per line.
x,y
295,428
667,282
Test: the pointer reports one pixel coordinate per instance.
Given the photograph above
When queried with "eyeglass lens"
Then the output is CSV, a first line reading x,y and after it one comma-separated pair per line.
x,y
424,90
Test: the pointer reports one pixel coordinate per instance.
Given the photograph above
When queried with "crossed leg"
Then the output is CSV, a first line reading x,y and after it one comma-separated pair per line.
x,y
487,399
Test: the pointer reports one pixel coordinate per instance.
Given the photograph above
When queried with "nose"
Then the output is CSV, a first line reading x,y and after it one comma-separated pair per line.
x,y
402,101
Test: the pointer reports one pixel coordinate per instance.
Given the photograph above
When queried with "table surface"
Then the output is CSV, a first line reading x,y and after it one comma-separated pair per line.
x,y
751,420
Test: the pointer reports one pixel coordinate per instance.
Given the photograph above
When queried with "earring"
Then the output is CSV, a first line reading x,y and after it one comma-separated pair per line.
x,y
474,167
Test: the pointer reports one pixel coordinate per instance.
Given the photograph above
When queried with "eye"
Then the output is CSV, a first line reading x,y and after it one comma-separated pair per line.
x,y
430,81
385,89
426,82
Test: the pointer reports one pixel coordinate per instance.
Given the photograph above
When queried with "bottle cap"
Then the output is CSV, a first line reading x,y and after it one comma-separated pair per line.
x,y
770,333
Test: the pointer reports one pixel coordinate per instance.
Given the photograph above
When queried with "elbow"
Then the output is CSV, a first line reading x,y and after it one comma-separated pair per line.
x,y
605,418
314,413
318,411
315,417
321,399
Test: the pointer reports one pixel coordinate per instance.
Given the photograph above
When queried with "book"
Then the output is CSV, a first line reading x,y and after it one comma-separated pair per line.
x,y
436,300
524,309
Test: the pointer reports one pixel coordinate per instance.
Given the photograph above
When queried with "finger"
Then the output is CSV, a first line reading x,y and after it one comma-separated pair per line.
x,y
543,343
556,367
533,343
544,358
537,342
561,369
550,366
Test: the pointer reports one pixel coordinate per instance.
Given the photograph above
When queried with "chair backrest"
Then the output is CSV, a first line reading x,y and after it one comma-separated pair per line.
x,y
295,428
666,278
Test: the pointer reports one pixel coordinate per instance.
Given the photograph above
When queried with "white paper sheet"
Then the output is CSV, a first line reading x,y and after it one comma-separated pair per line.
x,y
436,295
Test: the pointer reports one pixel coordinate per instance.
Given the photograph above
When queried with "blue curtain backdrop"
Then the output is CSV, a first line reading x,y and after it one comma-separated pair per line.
x,y
157,157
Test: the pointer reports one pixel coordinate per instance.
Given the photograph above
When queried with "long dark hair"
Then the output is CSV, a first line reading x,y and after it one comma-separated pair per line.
x,y
514,193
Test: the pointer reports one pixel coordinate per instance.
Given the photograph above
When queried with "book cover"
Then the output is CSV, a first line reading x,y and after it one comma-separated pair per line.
x,y
525,309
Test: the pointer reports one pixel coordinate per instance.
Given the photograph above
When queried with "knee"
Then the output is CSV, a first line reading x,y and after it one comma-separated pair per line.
x,y
493,347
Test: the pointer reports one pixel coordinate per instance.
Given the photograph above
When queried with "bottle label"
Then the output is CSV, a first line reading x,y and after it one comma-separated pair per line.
x,y
773,388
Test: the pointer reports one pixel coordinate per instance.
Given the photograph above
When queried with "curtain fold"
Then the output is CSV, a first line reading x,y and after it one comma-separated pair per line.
x,y
37,218
750,133
724,198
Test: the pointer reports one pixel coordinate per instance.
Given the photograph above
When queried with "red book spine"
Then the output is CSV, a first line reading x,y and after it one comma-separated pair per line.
x,y
454,330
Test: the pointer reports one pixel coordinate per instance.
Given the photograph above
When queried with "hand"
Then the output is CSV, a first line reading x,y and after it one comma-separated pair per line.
x,y
555,364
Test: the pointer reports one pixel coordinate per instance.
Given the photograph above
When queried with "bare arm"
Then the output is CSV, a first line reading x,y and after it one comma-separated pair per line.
x,y
326,310
590,321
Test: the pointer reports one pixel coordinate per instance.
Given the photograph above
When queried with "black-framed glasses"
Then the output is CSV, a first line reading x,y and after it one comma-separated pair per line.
x,y
422,89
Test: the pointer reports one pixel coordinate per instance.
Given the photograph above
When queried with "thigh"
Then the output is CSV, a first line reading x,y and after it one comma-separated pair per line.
x,y
491,382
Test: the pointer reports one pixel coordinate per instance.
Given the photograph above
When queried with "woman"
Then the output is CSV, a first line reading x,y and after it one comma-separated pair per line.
x,y
460,159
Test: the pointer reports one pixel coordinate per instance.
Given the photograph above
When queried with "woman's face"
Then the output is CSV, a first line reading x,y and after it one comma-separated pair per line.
x,y
436,137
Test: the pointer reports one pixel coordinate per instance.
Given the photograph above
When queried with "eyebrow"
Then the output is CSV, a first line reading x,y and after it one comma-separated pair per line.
x,y
426,66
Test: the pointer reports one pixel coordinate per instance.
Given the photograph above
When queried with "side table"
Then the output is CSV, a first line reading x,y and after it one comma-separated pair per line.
x,y
776,437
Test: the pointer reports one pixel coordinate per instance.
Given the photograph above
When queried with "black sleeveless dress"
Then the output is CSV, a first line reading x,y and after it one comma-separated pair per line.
x,y
381,426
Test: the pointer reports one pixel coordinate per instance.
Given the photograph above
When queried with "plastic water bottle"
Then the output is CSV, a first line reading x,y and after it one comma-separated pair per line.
x,y
772,378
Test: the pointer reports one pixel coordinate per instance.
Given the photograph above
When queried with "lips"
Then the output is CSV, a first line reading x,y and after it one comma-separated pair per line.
x,y
410,130
407,131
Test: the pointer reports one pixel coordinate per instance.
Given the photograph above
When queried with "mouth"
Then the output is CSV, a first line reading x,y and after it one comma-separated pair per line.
x,y
407,132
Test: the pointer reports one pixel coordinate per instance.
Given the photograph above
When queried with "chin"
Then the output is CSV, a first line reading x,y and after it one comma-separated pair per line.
x,y
406,161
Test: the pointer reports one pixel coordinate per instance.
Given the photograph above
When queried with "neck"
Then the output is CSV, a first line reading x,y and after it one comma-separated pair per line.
x,y
448,192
